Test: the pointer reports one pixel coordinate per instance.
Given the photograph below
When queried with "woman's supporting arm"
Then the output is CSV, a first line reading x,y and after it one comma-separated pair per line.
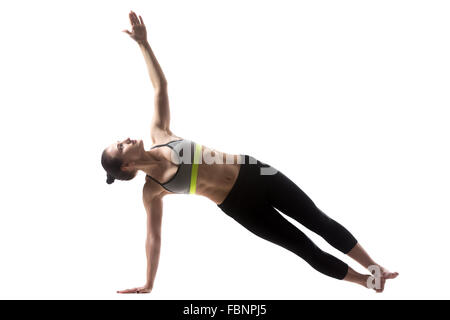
x,y
153,207
153,240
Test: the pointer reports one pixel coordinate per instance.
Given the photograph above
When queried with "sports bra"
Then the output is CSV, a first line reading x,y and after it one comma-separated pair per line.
x,y
188,156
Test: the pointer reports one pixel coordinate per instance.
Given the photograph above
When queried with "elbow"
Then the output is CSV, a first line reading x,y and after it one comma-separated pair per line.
x,y
153,239
161,86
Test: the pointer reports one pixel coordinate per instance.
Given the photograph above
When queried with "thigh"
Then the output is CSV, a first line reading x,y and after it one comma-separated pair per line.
x,y
265,222
285,195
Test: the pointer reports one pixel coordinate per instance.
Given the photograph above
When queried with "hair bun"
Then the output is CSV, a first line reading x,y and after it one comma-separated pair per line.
x,y
110,179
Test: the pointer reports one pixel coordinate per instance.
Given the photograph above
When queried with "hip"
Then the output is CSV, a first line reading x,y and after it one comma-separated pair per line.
x,y
250,186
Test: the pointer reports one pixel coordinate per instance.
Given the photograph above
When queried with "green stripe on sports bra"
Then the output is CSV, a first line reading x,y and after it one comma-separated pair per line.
x,y
197,155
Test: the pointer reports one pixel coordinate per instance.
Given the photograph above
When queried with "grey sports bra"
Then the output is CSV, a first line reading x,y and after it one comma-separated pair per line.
x,y
188,156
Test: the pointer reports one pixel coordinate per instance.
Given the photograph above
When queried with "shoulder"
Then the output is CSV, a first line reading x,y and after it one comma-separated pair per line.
x,y
160,136
151,190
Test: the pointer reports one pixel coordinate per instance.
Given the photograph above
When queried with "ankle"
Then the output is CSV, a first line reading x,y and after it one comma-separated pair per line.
x,y
365,280
375,269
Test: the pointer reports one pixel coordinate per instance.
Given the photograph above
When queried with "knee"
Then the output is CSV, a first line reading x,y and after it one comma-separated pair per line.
x,y
318,220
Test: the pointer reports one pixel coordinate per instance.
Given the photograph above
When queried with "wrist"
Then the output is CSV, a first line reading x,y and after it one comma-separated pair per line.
x,y
141,42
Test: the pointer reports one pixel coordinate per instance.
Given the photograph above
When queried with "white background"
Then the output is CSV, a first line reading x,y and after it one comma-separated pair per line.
x,y
349,99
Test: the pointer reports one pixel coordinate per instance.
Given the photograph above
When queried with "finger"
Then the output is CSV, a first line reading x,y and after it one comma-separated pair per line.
x,y
127,290
127,32
123,291
132,21
135,19
130,17
142,20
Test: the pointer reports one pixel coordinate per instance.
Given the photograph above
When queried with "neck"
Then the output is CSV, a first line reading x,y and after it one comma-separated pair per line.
x,y
149,161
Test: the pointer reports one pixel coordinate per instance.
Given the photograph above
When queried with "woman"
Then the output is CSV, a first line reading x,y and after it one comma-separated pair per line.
x,y
246,189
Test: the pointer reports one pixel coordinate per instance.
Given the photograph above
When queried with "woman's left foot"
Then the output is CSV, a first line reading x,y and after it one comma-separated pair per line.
x,y
384,274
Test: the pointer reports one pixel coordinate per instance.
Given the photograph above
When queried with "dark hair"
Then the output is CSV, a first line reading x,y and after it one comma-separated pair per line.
x,y
112,166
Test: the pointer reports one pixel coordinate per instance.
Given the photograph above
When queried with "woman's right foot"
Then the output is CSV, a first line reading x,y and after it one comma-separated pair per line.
x,y
382,274
385,273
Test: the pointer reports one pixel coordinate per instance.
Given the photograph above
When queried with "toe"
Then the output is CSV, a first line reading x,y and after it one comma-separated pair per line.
x,y
390,275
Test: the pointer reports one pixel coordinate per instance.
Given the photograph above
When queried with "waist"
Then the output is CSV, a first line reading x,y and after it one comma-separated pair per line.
x,y
245,180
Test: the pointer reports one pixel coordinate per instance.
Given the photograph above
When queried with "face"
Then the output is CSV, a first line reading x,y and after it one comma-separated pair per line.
x,y
128,150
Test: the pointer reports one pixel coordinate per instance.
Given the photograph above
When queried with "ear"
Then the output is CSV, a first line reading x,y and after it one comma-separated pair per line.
x,y
127,166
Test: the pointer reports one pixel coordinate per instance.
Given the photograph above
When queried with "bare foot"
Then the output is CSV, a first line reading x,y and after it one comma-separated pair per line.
x,y
387,274
380,275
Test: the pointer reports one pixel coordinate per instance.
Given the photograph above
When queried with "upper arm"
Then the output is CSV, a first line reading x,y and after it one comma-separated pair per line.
x,y
161,114
154,207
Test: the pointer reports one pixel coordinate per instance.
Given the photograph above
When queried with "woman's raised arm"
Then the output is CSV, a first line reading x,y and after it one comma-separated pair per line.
x,y
161,116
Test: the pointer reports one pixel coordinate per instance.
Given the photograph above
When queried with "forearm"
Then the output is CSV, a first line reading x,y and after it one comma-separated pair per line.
x,y
154,69
152,248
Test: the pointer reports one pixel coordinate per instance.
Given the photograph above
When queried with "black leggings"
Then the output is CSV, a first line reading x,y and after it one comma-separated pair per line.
x,y
251,202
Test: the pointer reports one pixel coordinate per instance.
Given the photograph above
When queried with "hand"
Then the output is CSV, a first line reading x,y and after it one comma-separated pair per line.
x,y
139,33
144,289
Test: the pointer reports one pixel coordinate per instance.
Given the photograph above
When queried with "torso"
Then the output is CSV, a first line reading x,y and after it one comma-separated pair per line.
x,y
214,181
